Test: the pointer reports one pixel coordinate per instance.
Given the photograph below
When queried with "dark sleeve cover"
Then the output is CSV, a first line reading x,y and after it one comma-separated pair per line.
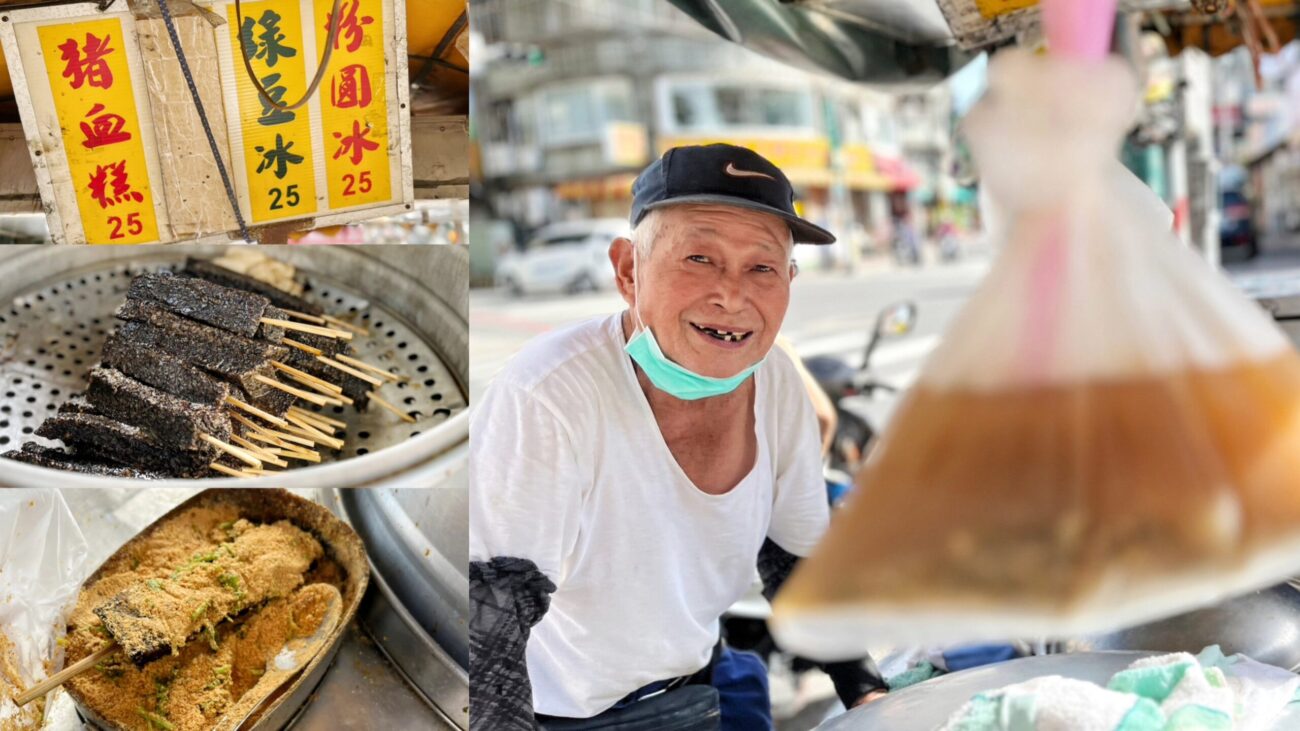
x,y
852,678
508,596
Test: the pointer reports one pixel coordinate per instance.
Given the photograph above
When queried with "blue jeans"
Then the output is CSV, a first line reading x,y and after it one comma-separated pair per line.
x,y
737,700
689,708
743,693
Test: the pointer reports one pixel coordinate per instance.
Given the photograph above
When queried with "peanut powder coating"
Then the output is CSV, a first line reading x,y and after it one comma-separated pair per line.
x,y
210,595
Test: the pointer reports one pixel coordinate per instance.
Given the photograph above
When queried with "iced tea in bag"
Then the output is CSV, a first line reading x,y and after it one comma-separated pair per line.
x,y
1108,432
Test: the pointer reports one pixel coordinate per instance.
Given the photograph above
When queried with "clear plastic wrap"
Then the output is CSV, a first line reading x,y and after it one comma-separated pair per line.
x,y
42,561
1108,433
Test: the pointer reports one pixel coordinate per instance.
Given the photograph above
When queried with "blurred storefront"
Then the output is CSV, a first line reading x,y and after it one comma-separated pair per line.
x,y
571,103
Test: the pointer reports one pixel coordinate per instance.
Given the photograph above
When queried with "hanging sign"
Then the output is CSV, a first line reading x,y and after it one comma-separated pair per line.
x,y
119,150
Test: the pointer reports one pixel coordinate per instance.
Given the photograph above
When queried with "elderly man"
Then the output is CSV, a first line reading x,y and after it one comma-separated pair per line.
x,y
630,472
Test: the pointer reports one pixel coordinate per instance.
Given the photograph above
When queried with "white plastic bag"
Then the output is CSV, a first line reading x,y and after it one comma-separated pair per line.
x,y
42,562
1108,433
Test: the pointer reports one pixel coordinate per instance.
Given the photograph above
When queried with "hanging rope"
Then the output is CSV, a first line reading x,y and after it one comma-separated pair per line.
x,y
331,37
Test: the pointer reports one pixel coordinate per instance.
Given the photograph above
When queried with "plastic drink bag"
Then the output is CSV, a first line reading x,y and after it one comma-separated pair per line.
x,y
1108,433
42,562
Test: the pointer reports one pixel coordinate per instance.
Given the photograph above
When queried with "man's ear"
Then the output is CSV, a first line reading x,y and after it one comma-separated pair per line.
x,y
622,255
794,269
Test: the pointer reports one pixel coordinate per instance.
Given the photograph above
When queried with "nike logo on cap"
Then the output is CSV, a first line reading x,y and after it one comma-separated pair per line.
x,y
736,172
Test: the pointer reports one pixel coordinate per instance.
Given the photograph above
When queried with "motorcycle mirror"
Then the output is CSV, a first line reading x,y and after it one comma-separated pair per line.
x,y
896,319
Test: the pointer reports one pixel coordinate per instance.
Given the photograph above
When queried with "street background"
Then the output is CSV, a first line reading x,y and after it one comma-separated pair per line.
x,y
571,98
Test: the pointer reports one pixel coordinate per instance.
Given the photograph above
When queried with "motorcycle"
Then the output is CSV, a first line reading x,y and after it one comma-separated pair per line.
x,y
862,401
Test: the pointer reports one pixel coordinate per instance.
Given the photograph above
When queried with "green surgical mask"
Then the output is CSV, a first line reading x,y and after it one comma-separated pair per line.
x,y
672,378
675,380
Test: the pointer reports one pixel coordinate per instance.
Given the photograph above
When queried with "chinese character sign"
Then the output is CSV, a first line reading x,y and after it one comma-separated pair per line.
x,y
95,101
278,159
354,112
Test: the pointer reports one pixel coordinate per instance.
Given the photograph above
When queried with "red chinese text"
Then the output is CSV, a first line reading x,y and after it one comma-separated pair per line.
x,y
112,175
351,88
90,67
350,27
105,129
355,144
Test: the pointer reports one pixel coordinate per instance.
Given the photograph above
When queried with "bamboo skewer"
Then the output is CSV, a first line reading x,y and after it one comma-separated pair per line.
x,y
315,436
304,395
366,366
295,441
346,325
328,332
242,455
303,347
306,317
305,456
258,452
64,675
255,411
319,417
321,389
325,429
281,448
258,428
351,371
305,424
320,438
227,470
306,377
374,396
324,426
265,438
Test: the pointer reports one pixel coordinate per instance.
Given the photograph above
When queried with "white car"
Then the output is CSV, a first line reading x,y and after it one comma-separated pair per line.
x,y
571,256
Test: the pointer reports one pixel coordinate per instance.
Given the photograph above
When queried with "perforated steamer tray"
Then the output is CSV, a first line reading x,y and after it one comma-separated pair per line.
x,y
56,309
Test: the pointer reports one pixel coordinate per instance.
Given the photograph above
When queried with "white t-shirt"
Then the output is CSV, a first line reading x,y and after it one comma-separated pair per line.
x,y
569,470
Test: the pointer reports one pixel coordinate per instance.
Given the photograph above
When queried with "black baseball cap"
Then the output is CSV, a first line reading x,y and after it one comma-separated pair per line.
x,y
721,175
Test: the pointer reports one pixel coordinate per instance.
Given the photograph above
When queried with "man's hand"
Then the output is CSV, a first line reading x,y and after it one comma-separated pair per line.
x,y
872,696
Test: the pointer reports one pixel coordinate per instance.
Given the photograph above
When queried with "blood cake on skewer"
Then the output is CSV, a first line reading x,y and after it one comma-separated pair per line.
x,y
204,375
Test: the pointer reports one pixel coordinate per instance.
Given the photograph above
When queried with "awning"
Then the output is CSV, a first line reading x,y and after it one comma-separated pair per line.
x,y
608,187
901,176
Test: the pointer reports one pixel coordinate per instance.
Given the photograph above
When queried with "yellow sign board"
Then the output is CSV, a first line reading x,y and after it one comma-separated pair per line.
x,y
100,124
354,113
278,161
345,153
96,87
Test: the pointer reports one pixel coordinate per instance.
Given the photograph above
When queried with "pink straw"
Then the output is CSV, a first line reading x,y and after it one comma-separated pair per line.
x,y
1079,29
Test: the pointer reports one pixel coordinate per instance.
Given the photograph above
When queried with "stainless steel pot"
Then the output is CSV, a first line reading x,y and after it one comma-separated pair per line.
x,y
1263,625
418,610
58,308
926,706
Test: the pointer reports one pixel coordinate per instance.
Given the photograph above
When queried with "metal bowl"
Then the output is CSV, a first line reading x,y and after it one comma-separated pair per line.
x,y
1263,625
340,542
926,706
418,613
58,305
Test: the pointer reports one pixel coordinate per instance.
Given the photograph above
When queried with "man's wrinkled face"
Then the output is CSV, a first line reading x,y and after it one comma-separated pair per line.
x,y
716,286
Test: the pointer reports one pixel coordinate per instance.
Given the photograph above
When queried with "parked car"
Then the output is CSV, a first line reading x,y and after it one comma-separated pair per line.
x,y
1237,228
570,257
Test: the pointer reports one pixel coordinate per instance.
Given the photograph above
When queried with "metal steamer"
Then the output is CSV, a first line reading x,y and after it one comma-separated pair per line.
x,y
58,306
